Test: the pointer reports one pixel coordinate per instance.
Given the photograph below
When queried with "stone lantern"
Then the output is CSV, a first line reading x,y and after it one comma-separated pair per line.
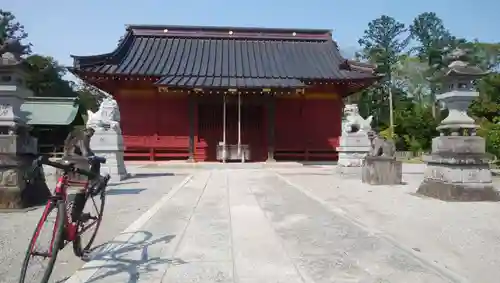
x,y
457,168
17,147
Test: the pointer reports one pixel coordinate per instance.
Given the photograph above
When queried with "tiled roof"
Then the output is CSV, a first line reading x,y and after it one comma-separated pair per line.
x,y
203,56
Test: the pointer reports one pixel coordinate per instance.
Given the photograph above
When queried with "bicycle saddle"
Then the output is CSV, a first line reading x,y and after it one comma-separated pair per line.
x,y
97,159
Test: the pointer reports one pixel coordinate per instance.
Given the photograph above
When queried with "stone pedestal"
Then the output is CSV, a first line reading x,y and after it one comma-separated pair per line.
x,y
458,170
16,157
353,148
109,144
381,170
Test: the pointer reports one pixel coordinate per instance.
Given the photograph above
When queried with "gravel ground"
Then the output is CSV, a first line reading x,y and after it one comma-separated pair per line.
x,y
126,201
461,237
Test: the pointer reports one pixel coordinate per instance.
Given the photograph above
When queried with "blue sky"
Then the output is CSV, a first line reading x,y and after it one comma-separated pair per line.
x,y
62,27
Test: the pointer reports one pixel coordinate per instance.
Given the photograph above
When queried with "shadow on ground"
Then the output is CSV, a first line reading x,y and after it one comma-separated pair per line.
x,y
131,257
122,183
124,191
149,175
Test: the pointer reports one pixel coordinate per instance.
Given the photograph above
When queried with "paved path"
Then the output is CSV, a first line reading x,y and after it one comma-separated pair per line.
x,y
460,237
252,226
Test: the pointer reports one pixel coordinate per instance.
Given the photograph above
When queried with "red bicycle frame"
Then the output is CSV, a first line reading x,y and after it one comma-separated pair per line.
x,y
70,227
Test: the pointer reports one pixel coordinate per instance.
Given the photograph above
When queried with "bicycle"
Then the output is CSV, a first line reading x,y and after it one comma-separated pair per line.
x,y
70,221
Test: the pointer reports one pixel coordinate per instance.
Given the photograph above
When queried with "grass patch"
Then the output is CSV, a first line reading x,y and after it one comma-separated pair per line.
x,y
416,160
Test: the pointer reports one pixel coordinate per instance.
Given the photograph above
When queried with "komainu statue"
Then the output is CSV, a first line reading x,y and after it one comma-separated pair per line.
x,y
380,146
380,166
77,143
107,116
353,122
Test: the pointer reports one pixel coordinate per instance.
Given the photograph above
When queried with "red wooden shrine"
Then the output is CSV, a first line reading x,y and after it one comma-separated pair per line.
x,y
171,83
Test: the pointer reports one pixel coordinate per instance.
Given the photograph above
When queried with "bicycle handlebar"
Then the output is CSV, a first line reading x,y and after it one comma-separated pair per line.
x,y
70,167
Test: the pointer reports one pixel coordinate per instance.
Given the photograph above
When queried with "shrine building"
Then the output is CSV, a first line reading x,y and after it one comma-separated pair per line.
x,y
266,94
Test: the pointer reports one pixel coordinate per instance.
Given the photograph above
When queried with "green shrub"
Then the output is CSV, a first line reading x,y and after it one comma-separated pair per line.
x,y
491,133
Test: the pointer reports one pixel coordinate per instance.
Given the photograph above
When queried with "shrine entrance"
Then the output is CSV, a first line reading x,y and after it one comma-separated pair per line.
x,y
244,132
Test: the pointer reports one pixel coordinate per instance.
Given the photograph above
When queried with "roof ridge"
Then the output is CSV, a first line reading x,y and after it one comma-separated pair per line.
x,y
230,32
227,28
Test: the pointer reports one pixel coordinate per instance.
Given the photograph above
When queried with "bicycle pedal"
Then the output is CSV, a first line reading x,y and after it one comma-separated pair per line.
x,y
85,256
85,217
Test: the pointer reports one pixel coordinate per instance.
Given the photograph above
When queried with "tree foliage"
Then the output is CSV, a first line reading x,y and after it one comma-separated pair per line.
x,y
383,41
414,72
12,29
45,75
90,97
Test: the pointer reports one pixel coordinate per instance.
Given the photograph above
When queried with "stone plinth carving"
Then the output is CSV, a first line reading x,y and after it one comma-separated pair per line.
x,y
17,147
108,140
354,143
457,168
380,166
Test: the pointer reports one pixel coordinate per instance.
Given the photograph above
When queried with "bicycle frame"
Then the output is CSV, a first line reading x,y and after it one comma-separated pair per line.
x,y
70,227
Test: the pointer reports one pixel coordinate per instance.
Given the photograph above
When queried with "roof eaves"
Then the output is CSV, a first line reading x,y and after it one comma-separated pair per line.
x,y
86,60
351,65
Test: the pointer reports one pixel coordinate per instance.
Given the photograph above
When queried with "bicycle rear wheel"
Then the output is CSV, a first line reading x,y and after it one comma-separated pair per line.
x,y
89,222
56,233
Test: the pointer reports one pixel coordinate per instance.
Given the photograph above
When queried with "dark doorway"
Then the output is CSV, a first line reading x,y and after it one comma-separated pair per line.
x,y
210,129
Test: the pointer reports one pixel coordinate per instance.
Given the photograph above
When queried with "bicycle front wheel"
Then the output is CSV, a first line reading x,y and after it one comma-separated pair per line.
x,y
52,223
89,221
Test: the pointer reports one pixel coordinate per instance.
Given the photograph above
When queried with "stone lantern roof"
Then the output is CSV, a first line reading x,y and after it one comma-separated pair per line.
x,y
460,66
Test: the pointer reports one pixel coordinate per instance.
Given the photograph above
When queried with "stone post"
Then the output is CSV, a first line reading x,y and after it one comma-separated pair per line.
x,y
192,121
17,147
271,125
107,140
457,168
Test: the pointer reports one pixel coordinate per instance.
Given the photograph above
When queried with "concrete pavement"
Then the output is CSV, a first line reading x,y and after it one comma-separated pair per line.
x,y
252,225
461,238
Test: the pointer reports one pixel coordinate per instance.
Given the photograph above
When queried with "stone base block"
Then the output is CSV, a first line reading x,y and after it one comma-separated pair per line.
x,y
382,171
351,159
458,181
11,198
348,170
458,192
15,192
478,173
359,139
458,145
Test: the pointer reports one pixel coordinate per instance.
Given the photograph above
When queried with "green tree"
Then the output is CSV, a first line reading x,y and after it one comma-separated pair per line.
x,y
409,77
45,77
414,126
12,29
434,43
382,43
90,97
